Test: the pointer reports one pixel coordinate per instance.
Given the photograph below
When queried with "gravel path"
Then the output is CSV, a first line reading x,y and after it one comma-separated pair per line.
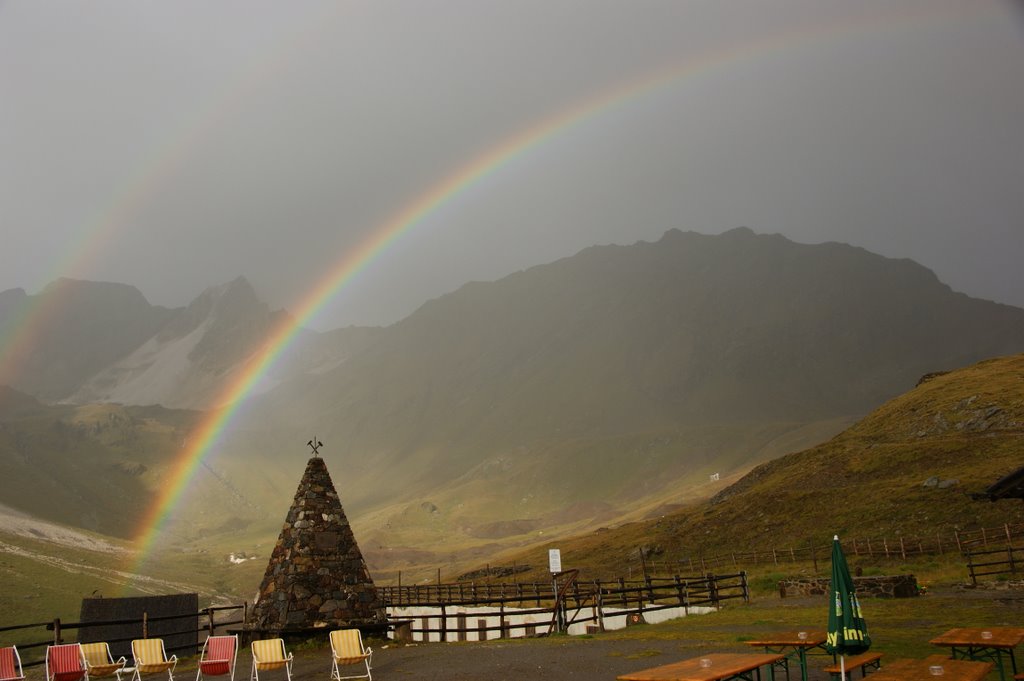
x,y
548,659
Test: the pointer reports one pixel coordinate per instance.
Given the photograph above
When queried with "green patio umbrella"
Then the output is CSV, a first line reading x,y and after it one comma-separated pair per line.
x,y
847,630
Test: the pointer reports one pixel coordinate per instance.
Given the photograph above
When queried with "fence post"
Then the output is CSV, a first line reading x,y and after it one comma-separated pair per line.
x,y
1009,553
959,548
712,589
903,549
56,632
743,582
145,625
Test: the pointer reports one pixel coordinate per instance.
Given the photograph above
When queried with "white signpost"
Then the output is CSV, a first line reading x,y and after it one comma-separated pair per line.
x,y
555,560
555,566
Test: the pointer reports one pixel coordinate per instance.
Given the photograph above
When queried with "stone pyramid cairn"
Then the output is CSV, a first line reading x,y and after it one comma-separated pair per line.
x,y
316,576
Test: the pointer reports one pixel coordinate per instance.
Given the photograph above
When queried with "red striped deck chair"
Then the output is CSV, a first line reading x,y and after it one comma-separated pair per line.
x,y
151,658
218,657
347,649
65,663
269,654
100,662
10,664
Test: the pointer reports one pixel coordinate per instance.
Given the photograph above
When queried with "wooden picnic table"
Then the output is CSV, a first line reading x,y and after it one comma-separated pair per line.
x,y
988,644
921,670
791,644
710,667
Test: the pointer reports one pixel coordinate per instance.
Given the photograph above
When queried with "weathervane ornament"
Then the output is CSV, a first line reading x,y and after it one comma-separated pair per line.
x,y
315,445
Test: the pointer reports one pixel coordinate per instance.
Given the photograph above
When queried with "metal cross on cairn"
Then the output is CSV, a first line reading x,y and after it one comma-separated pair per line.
x,y
315,445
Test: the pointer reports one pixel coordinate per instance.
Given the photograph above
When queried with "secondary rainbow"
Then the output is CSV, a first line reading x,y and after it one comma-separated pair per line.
x,y
354,261
154,171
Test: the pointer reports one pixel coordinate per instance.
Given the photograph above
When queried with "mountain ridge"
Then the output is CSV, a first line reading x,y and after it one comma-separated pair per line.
x,y
595,388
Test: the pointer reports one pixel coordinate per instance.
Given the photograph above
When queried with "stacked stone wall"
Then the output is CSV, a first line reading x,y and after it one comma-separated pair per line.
x,y
891,586
316,576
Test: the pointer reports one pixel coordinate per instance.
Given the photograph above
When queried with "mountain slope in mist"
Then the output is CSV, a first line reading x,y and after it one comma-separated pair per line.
x,y
620,378
100,342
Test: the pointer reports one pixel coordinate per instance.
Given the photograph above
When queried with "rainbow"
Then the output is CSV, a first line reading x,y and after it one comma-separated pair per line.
x,y
208,433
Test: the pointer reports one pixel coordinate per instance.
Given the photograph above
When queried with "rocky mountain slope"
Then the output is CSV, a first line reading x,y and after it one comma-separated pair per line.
x,y
682,334
55,340
616,381
100,342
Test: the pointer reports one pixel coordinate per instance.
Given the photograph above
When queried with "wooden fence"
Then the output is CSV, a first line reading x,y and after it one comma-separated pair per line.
x,y
587,603
1007,560
31,637
898,547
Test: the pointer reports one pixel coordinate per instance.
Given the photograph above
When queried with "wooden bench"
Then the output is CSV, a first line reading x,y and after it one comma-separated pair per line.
x,y
864,661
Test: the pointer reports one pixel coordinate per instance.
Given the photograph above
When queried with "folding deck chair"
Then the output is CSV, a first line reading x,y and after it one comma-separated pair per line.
x,y
100,662
347,649
218,657
151,658
65,662
10,664
269,654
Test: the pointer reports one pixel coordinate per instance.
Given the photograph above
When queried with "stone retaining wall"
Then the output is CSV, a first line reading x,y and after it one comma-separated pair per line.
x,y
891,586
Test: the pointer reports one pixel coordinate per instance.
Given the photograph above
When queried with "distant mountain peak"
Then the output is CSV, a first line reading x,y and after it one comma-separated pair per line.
x,y
739,232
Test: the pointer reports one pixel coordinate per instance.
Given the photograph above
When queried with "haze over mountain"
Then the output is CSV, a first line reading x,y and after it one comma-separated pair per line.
x,y
103,342
591,389
629,372
96,323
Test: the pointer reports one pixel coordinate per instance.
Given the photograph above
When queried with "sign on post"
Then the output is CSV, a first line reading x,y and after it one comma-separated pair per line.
x,y
555,560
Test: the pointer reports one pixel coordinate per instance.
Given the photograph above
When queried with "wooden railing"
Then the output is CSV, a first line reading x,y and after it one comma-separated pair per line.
x,y
988,562
36,644
899,547
494,601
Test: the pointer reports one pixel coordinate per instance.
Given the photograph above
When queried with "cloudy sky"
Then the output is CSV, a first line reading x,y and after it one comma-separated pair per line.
x,y
176,145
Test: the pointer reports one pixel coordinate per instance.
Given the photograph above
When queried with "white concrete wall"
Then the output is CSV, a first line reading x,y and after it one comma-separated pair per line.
x,y
614,618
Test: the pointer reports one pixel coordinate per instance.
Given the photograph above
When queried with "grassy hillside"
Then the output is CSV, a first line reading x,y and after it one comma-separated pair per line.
x,y
966,425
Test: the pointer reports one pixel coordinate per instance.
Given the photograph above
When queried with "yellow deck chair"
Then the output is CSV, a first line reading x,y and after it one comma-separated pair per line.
x,y
151,658
347,649
100,662
269,654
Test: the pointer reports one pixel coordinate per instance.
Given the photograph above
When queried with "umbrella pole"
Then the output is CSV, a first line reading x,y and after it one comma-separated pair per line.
x,y
842,667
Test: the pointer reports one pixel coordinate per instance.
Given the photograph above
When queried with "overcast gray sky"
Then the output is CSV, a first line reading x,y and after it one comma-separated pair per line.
x,y
176,145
